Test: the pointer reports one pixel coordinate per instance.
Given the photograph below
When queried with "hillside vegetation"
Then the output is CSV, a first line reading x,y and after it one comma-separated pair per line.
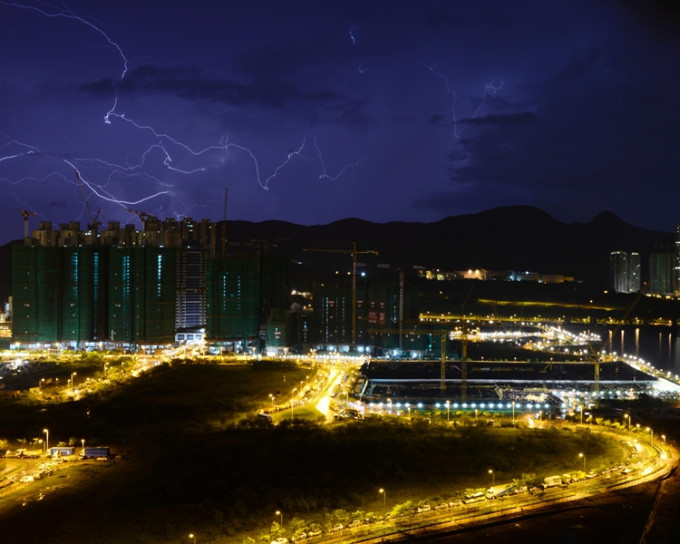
x,y
196,459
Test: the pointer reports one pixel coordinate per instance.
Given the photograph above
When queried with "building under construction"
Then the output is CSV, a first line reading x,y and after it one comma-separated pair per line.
x,y
140,287
146,287
381,304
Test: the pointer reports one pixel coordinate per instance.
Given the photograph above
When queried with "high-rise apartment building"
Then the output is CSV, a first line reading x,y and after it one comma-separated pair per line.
x,y
624,270
661,273
233,302
380,306
141,287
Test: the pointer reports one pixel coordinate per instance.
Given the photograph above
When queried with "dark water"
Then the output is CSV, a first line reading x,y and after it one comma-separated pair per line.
x,y
659,346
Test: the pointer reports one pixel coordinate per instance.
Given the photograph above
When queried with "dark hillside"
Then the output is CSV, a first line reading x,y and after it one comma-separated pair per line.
x,y
511,238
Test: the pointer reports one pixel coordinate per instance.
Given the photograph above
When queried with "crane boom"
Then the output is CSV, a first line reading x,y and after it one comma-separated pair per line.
x,y
26,214
353,252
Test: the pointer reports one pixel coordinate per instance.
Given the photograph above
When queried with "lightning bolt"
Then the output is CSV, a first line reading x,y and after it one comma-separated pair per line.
x,y
170,149
352,36
68,14
489,89
98,190
14,155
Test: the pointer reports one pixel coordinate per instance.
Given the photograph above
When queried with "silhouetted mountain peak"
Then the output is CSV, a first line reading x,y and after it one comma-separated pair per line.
x,y
608,218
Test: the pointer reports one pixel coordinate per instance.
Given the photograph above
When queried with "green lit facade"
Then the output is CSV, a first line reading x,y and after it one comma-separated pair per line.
x,y
91,293
36,286
233,298
246,296
83,295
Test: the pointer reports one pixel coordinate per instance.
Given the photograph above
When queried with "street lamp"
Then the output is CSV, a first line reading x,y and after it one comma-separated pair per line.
x,y
292,403
384,494
40,384
280,514
47,440
493,477
513,413
627,416
72,381
584,460
663,437
192,537
448,411
475,414
408,407
651,436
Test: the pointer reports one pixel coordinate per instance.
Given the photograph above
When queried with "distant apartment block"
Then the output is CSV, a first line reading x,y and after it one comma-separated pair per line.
x,y
624,271
661,273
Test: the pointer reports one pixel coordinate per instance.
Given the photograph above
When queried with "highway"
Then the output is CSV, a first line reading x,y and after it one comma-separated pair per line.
x,y
647,463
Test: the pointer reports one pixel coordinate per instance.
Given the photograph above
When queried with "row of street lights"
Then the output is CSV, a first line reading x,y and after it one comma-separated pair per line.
x,y
47,441
70,381
491,472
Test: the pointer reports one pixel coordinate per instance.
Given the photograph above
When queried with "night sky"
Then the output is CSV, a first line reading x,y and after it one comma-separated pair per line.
x,y
313,111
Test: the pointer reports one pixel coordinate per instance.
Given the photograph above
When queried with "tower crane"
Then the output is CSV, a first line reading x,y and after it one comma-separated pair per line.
x,y
353,252
95,223
143,216
26,214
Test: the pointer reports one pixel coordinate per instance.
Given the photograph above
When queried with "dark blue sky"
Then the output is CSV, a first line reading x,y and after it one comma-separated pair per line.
x,y
312,111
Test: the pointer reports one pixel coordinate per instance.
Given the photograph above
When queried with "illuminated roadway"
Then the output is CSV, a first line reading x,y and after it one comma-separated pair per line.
x,y
324,400
654,462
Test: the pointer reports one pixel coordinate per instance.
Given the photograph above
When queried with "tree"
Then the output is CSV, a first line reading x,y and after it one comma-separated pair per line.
x,y
404,509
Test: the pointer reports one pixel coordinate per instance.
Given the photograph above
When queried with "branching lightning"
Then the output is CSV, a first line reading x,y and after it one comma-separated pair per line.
x,y
10,142
170,149
98,190
489,89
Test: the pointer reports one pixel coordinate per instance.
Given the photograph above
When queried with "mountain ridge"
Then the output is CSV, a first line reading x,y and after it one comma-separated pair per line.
x,y
505,238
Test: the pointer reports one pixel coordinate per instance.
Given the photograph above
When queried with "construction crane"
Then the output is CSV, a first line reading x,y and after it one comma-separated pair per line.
x,y
26,214
143,216
95,223
353,252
